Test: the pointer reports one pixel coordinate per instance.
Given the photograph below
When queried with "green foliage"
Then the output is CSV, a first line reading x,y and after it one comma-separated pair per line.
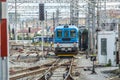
x,y
93,54
109,63
27,38
19,38
37,34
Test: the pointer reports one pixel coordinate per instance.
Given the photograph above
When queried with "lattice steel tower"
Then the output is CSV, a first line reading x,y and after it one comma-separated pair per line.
x,y
74,12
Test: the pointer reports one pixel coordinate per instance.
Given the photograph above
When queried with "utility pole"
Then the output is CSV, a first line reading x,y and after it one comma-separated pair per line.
x,y
15,27
57,17
53,20
89,32
9,31
98,21
119,44
46,28
103,16
22,31
91,23
46,24
98,13
87,26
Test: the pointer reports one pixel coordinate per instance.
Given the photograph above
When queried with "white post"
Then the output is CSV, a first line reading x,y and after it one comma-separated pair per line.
x,y
22,32
4,72
42,25
4,68
15,26
0,68
0,40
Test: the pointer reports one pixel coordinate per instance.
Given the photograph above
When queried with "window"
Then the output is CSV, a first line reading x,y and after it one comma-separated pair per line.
x,y
103,46
59,33
72,33
66,33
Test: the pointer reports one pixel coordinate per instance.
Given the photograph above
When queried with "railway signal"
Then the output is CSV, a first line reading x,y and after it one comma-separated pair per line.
x,y
93,58
41,18
41,12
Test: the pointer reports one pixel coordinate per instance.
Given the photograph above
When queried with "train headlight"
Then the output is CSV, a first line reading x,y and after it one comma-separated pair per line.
x,y
75,44
58,44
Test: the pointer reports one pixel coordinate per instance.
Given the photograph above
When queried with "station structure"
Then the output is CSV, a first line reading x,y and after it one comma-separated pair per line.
x,y
95,13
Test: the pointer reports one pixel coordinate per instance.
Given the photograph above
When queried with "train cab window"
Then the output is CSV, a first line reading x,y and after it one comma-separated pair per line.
x,y
66,33
72,33
59,33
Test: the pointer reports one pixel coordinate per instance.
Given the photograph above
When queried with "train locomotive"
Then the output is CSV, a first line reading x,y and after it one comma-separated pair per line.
x,y
66,40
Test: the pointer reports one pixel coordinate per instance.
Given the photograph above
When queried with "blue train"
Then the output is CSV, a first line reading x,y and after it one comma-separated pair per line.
x,y
66,40
45,39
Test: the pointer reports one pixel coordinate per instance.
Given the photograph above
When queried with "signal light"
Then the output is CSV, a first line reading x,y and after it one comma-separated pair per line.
x,y
41,12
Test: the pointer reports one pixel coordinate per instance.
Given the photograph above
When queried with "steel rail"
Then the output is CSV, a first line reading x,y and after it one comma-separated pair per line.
x,y
49,72
30,71
68,76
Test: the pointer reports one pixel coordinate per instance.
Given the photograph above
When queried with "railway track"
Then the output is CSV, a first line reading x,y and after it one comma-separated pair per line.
x,y
30,68
29,71
63,71
68,75
46,71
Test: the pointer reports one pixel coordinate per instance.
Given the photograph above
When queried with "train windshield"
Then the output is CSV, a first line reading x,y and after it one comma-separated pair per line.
x,y
59,33
66,33
72,33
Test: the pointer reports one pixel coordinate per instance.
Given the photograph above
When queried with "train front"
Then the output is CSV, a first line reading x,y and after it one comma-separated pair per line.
x,y
66,40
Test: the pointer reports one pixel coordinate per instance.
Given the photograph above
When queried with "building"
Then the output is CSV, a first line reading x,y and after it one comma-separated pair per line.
x,y
107,48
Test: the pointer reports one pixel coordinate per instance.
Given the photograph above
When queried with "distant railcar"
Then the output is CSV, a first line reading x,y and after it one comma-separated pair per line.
x,y
66,40
83,40
45,39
